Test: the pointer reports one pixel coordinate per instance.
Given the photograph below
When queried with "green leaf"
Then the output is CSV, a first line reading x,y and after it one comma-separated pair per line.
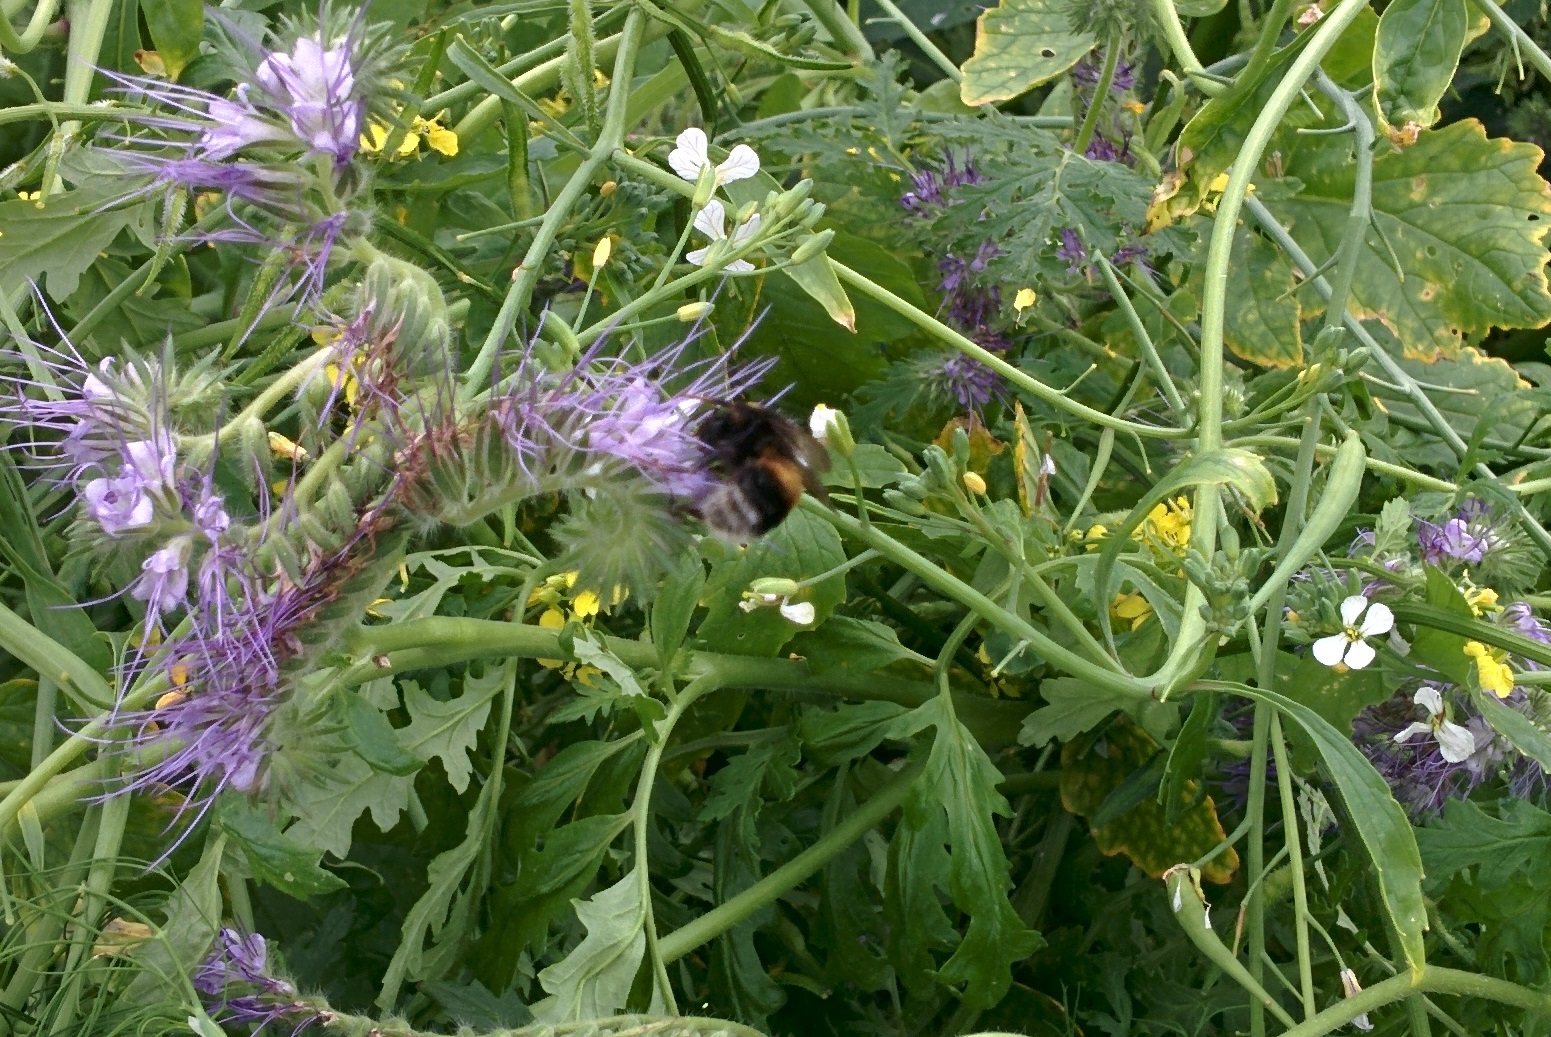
x,y
1415,55
918,925
326,808
850,646
1502,848
1020,44
1521,731
548,880
177,27
1350,61
847,732
193,914
57,242
1378,820
1444,650
274,858
750,779
51,659
1466,217
593,981
673,609
1263,320
558,784
1072,707
800,547
961,781
374,739
1186,756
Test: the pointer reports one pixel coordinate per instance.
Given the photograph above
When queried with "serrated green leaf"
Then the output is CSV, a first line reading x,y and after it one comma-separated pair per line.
x,y
449,730
918,925
593,981
1186,756
1020,44
559,783
1415,55
1378,820
1466,217
56,243
374,739
177,27
749,780
272,857
961,781
1263,320
1503,848
832,736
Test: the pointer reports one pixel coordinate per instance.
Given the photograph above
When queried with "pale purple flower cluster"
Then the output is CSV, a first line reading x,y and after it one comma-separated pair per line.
x,y
1075,254
1087,73
237,991
1467,536
117,451
934,188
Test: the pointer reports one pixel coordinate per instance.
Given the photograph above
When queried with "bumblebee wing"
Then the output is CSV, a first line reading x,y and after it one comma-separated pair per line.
x,y
813,460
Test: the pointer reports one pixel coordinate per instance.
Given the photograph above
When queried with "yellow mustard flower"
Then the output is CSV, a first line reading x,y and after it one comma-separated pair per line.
x,y
1481,599
1495,675
1169,523
1130,608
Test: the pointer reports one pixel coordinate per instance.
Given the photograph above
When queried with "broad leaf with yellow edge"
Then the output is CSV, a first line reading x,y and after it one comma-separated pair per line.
x,y
1089,778
1466,217
1020,44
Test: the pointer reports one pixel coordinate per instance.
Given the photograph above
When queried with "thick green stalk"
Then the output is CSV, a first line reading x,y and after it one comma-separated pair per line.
x,y
845,33
1523,43
920,39
1090,120
37,25
1295,866
1432,980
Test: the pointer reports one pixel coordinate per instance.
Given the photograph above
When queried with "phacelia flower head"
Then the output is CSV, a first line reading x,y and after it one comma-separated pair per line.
x,y
934,187
1467,536
237,990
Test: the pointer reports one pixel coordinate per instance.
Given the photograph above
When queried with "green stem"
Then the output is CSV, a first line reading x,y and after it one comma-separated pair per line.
x,y
1057,654
1143,339
1431,979
920,39
842,30
1349,250
642,811
37,25
526,276
791,874
1523,43
1269,35
1167,18
1295,864
1090,120
1020,379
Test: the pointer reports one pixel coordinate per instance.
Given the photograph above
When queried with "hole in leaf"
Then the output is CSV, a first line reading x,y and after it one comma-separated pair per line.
x,y
1046,52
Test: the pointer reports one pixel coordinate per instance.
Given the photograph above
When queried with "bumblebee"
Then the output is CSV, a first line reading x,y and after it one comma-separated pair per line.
x,y
763,462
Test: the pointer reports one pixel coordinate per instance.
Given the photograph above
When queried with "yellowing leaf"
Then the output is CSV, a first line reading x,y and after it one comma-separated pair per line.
x,y
1020,44
1089,779
1466,217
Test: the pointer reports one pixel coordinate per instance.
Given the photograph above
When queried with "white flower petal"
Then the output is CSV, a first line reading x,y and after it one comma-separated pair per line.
x,y
747,229
689,158
800,612
696,257
1351,608
712,220
1454,742
1430,699
741,164
739,266
1411,732
1360,655
1378,620
819,420
1329,650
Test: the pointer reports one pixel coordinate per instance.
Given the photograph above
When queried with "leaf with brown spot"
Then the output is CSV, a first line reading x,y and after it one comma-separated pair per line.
x,y
1095,767
1020,44
1466,217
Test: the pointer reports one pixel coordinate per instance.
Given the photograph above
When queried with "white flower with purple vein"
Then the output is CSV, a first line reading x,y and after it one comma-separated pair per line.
x,y
1360,620
712,222
691,158
1455,743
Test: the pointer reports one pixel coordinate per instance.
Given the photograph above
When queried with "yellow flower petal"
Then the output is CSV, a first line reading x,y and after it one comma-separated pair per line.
x,y
586,605
442,140
1023,300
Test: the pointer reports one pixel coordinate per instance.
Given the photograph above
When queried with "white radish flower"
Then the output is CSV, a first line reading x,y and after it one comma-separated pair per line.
x,y
691,157
712,222
1360,620
1455,743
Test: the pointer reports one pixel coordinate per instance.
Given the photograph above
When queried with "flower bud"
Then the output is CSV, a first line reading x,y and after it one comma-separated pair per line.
x,y
789,201
811,247
693,311
774,586
705,187
601,253
830,425
974,483
745,213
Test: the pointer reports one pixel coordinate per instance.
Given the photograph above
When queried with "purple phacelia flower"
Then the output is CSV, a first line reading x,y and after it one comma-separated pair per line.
x,y
1468,535
1073,252
971,384
315,88
1087,73
126,500
934,188
237,991
164,579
